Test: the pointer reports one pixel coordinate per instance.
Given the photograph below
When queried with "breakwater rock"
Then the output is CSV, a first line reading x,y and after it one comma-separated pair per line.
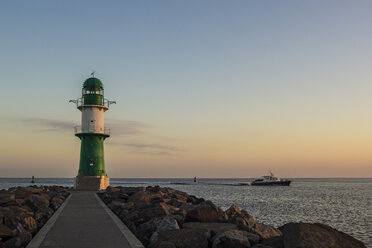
x,y
168,218
24,210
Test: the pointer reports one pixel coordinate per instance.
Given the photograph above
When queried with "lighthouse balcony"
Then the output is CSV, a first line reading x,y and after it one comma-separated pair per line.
x,y
93,102
79,131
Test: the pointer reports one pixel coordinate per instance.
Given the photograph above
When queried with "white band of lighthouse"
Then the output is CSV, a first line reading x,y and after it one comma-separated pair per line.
x,y
92,120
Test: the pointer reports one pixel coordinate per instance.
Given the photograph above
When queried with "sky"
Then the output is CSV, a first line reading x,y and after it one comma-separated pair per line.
x,y
203,88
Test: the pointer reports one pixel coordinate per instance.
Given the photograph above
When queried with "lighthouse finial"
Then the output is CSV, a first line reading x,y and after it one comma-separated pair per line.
x,y
93,73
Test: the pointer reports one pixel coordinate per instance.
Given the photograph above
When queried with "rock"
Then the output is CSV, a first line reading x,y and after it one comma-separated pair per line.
x,y
25,209
20,202
5,232
6,198
42,215
276,242
262,246
56,202
15,210
179,218
206,212
12,203
253,238
37,201
44,195
165,244
234,212
150,213
181,212
213,228
143,199
175,202
30,189
123,214
52,194
29,223
157,211
153,189
194,200
132,227
165,225
111,189
172,209
129,216
19,241
132,190
123,196
106,198
116,206
11,216
178,195
127,205
263,230
183,238
22,194
306,235
246,222
20,228
33,189
231,238
145,230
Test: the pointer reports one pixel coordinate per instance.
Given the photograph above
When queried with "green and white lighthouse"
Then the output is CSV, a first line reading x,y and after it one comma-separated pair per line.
x,y
92,133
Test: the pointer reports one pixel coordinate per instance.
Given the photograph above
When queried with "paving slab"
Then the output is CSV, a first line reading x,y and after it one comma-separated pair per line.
x,y
86,222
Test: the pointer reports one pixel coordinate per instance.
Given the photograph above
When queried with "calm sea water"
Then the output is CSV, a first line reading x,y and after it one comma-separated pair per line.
x,y
345,204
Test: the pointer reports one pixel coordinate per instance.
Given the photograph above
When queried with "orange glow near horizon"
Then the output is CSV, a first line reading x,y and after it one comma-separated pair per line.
x,y
287,154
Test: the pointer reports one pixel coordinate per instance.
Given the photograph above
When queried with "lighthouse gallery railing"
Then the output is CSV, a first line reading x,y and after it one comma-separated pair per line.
x,y
80,103
106,103
92,129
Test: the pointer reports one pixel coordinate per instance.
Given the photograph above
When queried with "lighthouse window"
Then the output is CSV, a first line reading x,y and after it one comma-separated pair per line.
x,y
93,91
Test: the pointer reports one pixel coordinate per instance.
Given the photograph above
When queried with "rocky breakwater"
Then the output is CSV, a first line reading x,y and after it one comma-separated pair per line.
x,y
168,218
24,210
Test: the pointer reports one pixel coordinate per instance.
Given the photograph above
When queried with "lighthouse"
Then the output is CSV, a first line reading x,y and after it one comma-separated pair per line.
x,y
92,133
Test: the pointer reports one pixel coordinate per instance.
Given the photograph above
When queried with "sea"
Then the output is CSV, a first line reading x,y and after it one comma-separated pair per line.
x,y
342,203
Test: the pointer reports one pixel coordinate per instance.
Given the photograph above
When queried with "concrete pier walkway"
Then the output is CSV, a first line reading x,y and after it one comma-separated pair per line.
x,y
84,221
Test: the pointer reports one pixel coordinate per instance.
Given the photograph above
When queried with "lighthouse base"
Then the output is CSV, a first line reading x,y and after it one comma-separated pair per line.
x,y
91,183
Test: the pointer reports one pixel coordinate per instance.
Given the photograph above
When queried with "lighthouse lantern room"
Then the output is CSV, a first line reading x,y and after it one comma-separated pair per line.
x,y
92,133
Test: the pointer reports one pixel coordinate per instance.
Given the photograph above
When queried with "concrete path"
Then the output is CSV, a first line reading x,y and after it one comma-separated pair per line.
x,y
84,221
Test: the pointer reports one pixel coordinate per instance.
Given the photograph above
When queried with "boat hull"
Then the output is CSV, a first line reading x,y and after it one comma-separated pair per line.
x,y
279,183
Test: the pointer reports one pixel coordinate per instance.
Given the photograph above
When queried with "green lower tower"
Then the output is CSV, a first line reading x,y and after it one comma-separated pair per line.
x,y
92,133
92,162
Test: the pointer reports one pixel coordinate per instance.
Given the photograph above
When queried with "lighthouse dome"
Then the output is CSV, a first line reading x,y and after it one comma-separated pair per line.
x,y
93,83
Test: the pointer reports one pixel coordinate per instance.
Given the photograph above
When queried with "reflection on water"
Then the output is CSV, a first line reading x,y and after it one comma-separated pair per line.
x,y
345,204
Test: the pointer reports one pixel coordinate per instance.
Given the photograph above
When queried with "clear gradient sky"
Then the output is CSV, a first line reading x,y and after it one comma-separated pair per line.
x,y
204,88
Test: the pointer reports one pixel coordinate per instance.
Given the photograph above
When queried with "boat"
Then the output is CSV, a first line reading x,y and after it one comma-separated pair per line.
x,y
270,180
195,180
